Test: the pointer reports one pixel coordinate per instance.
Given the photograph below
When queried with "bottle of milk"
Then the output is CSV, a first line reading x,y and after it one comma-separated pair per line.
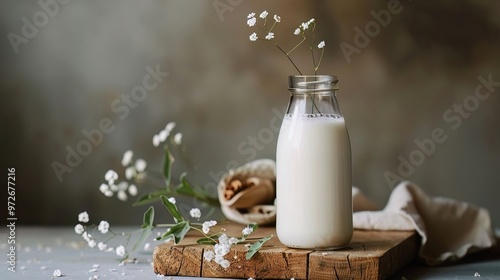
x,y
313,166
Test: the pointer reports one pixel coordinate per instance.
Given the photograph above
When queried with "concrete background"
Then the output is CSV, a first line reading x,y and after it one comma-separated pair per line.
x,y
407,80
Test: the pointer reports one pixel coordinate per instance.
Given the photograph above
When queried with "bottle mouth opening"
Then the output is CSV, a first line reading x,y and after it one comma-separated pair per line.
x,y
312,83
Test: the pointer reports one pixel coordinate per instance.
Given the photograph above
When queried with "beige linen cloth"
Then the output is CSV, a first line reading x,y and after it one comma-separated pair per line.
x,y
449,229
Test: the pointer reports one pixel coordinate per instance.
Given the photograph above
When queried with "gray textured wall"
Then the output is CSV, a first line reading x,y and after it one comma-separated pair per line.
x,y
222,90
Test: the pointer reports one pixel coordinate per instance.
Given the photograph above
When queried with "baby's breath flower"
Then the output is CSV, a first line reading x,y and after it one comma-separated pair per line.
x,y
247,230
156,140
208,255
83,217
111,176
305,25
195,213
170,126
122,195
277,18
113,187
127,158
57,273
310,21
108,193
140,165
147,246
87,237
103,227
207,225
297,31
321,45
103,188
163,135
130,172
263,14
251,15
253,37
122,186
120,251
132,190
92,243
102,246
251,22
172,200
225,263
233,240
178,138
269,36
79,229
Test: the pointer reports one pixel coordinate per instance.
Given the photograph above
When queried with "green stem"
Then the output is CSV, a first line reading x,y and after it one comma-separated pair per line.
x,y
320,58
303,39
289,58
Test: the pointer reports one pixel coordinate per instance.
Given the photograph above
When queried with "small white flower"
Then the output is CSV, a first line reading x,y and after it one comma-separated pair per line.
x,y
170,126
113,188
310,21
79,229
163,135
247,230
147,246
103,187
108,193
251,15
224,263
83,217
122,195
321,45
195,213
277,18
305,25
269,36
120,251
103,227
207,225
110,249
132,190
87,237
156,140
233,240
140,165
92,243
253,37
111,176
130,172
297,31
172,200
127,158
57,273
102,246
178,138
123,186
263,14
251,22
208,255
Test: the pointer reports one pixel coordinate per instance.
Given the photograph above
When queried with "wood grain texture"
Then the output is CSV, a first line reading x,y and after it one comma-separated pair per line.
x,y
369,255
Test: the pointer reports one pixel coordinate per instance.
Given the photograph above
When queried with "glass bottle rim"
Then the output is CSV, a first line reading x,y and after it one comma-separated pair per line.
x,y
312,83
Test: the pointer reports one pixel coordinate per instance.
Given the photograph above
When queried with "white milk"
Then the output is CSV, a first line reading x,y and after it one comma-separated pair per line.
x,y
314,191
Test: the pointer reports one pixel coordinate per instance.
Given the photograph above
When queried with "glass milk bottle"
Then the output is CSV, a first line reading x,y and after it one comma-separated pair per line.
x,y
313,168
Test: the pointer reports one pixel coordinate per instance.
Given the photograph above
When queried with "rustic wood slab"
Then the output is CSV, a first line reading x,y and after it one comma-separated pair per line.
x,y
370,255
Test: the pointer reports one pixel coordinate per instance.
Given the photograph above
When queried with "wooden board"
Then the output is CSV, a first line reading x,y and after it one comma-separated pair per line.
x,y
370,255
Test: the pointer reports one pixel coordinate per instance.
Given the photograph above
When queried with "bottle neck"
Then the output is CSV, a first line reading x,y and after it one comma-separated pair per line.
x,y
313,95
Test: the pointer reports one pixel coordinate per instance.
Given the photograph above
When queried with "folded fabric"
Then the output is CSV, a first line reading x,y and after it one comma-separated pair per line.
x,y
449,229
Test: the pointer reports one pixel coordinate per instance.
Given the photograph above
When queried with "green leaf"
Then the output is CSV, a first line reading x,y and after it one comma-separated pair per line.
x,y
172,208
185,188
145,233
256,246
209,240
167,166
149,217
177,232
